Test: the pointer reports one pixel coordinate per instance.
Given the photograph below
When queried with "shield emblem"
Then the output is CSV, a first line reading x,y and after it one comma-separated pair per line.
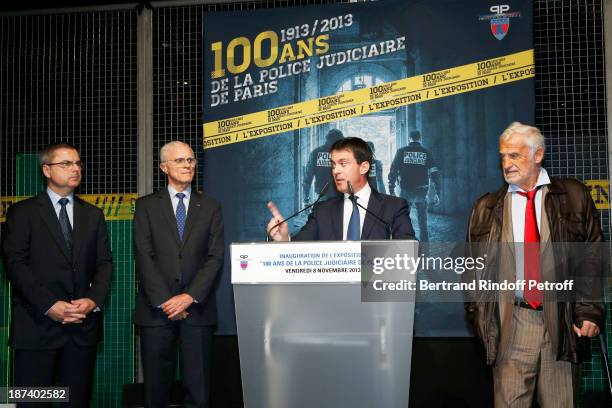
x,y
244,263
500,26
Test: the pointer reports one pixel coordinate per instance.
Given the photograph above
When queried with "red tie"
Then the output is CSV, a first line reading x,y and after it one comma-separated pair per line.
x,y
532,250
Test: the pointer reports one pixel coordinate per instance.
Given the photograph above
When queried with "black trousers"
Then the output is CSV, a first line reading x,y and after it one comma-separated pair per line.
x,y
70,366
159,345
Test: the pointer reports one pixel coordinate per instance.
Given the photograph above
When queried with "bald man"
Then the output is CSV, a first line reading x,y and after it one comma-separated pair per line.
x,y
178,241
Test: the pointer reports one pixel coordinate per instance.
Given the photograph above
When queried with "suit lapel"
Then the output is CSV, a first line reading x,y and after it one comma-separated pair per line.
x,y
374,205
195,204
337,222
79,226
47,213
168,213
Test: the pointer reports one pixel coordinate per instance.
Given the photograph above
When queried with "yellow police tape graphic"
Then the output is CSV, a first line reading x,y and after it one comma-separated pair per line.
x,y
600,192
116,207
420,88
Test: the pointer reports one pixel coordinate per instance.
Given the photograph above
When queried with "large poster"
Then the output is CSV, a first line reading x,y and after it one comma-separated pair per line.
x,y
430,84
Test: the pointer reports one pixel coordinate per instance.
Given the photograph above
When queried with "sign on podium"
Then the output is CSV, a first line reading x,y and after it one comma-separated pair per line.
x,y
309,336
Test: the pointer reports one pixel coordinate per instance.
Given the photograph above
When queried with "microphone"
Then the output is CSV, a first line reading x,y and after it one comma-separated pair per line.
x,y
351,191
352,197
321,195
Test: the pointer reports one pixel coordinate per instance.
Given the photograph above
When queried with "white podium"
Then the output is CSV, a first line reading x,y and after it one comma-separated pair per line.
x,y
305,337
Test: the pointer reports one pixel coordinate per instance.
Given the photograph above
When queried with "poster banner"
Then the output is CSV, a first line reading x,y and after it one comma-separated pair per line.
x,y
430,84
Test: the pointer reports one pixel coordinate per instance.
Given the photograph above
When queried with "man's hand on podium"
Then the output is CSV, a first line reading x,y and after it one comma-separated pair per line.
x,y
281,232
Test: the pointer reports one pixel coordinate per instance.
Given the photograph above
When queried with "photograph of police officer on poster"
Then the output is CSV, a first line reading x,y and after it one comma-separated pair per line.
x,y
428,85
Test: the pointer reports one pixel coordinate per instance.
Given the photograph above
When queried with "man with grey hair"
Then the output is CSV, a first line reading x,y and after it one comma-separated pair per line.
x,y
178,245
534,338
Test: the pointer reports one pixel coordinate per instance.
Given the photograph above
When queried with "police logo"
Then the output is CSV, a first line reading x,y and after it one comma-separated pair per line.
x,y
323,159
244,262
499,22
499,27
418,158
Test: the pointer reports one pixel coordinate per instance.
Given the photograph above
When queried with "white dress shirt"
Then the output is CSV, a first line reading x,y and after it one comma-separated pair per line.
x,y
57,206
70,210
363,198
519,205
175,200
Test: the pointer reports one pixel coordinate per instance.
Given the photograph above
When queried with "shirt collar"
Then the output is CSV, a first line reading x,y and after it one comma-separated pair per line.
x,y
186,191
56,197
543,180
363,195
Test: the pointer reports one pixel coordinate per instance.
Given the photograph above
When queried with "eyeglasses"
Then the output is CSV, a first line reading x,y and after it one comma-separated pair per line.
x,y
67,164
182,161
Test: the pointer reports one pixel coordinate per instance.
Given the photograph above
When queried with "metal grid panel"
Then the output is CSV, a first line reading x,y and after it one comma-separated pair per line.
x,y
570,90
571,109
72,77
177,79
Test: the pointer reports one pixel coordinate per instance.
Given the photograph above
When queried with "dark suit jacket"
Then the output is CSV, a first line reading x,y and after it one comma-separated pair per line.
x,y
325,221
41,271
168,267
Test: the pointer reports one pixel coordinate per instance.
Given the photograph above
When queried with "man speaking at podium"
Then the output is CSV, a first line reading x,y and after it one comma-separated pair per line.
x,y
361,214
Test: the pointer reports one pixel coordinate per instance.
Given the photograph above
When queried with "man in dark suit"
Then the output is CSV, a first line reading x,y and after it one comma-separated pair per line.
x,y
341,218
59,263
178,237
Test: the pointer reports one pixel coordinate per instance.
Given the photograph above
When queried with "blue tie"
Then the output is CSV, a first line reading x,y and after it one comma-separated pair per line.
x,y
65,223
181,215
354,229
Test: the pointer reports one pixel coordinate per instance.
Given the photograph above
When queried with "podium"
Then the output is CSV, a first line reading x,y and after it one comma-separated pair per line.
x,y
305,336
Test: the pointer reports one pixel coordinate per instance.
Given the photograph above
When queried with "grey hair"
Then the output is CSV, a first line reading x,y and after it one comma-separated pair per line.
x,y
531,135
163,152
